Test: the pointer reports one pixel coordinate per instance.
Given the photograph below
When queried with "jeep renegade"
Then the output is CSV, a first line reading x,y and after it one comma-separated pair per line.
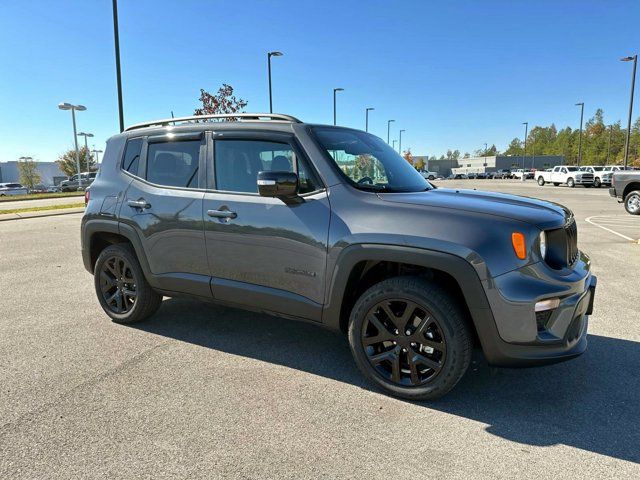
x,y
330,225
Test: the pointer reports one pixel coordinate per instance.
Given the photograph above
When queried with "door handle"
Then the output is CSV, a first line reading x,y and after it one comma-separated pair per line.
x,y
140,203
222,214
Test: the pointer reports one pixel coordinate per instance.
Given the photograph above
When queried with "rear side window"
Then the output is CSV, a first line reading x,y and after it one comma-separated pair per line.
x,y
131,158
174,164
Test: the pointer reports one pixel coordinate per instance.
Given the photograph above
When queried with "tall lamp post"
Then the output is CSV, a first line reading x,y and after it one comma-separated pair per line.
x,y
269,55
633,83
389,129
96,152
73,108
335,90
609,145
524,153
116,38
581,105
400,142
393,144
86,146
484,164
366,121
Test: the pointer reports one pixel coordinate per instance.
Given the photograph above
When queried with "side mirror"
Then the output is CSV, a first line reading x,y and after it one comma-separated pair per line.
x,y
279,184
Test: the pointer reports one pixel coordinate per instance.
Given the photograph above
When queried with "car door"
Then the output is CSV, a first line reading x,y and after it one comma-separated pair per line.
x,y
263,252
163,204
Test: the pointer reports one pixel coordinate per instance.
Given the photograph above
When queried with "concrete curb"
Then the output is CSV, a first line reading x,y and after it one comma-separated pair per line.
x,y
45,213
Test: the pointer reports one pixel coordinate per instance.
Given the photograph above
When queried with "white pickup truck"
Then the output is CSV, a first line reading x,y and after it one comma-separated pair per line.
x,y
569,175
429,175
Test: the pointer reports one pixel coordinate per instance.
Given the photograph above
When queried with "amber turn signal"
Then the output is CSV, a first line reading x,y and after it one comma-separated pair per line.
x,y
519,246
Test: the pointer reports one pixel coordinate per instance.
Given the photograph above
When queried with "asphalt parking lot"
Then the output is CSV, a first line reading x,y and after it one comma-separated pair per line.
x,y
206,391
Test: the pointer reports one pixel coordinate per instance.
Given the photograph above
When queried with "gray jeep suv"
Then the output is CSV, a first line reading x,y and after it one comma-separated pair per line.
x,y
330,225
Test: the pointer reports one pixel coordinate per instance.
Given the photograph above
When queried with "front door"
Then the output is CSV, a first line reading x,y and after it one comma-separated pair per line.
x,y
163,204
263,252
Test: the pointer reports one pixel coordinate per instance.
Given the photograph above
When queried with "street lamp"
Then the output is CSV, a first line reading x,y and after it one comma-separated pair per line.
x,y
116,39
609,144
633,83
25,158
86,151
581,105
389,129
269,55
366,122
524,153
73,108
400,142
484,164
96,152
335,90
393,144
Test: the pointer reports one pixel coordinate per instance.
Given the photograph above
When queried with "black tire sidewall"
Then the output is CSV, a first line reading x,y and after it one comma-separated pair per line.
x,y
458,346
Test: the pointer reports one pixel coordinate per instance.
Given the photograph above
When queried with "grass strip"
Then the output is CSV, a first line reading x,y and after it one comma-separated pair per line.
x,y
38,196
43,208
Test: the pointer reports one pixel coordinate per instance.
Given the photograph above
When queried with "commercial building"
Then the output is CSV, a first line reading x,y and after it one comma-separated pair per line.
x,y
446,167
50,173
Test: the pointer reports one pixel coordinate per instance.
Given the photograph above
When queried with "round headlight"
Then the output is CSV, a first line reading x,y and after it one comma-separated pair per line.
x,y
542,241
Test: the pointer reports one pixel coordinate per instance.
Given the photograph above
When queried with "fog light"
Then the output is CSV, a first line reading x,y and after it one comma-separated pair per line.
x,y
548,304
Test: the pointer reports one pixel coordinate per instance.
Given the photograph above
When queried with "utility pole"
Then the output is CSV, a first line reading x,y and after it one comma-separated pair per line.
x,y
389,129
581,104
366,121
116,37
609,145
633,83
524,153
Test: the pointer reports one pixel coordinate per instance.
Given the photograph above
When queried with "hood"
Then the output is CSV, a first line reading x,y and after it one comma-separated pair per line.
x,y
541,213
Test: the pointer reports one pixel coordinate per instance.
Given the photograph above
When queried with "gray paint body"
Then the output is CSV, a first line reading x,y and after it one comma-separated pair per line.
x,y
294,259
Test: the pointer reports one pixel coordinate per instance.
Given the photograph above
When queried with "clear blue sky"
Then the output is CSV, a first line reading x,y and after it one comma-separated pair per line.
x,y
453,74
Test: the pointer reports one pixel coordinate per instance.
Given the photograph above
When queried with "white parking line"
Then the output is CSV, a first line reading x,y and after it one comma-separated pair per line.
x,y
600,222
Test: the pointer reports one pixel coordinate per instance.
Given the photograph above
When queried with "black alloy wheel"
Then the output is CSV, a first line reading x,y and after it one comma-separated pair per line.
x,y
118,285
403,341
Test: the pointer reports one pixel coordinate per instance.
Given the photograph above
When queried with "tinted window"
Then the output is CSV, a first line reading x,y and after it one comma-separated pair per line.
x,y
174,164
131,158
237,163
369,162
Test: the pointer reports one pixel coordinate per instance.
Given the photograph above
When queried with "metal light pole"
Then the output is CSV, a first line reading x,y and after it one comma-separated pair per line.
x,y
394,144
389,129
484,164
609,145
335,90
633,83
73,108
400,142
581,104
96,152
366,122
116,38
86,146
524,153
269,55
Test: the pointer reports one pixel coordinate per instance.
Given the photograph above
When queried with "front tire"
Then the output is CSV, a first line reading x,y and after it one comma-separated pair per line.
x,y
122,289
571,183
541,181
632,202
409,337
597,183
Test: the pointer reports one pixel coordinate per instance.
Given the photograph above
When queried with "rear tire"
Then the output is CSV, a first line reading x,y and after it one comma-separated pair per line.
x,y
541,181
632,202
597,183
417,354
570,183
122,289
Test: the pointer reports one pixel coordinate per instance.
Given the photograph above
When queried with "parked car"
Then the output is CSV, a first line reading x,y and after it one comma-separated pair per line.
x,y
565,174
392,262
481,176
528,174
502,174
600,175
625,187
12,189
429,175
72,184
458,176
472,175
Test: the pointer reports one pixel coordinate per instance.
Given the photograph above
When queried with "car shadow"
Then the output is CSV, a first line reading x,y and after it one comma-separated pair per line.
x,y
591,403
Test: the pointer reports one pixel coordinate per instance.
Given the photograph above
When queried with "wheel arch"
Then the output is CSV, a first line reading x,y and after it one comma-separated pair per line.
x,y
358,267
630,188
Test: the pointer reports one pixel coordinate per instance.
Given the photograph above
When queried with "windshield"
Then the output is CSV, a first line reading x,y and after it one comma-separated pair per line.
x,y
369,162
572,169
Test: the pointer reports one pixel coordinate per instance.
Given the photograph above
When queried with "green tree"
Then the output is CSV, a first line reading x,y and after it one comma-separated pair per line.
x,y
67,162
514,148
28,172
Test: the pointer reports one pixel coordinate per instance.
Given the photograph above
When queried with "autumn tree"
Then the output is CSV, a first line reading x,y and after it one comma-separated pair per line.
x,y
407,156
419,164
28,172
67,162
222,102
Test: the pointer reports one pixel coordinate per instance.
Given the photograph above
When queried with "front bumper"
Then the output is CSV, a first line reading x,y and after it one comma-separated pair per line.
x,y
612,192
584,181
520,340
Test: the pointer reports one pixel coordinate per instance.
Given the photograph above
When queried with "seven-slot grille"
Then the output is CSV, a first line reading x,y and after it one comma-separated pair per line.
x,y
571,232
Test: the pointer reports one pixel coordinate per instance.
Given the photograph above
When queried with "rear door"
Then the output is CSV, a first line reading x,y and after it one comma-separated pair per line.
x,y
262,252
163,204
